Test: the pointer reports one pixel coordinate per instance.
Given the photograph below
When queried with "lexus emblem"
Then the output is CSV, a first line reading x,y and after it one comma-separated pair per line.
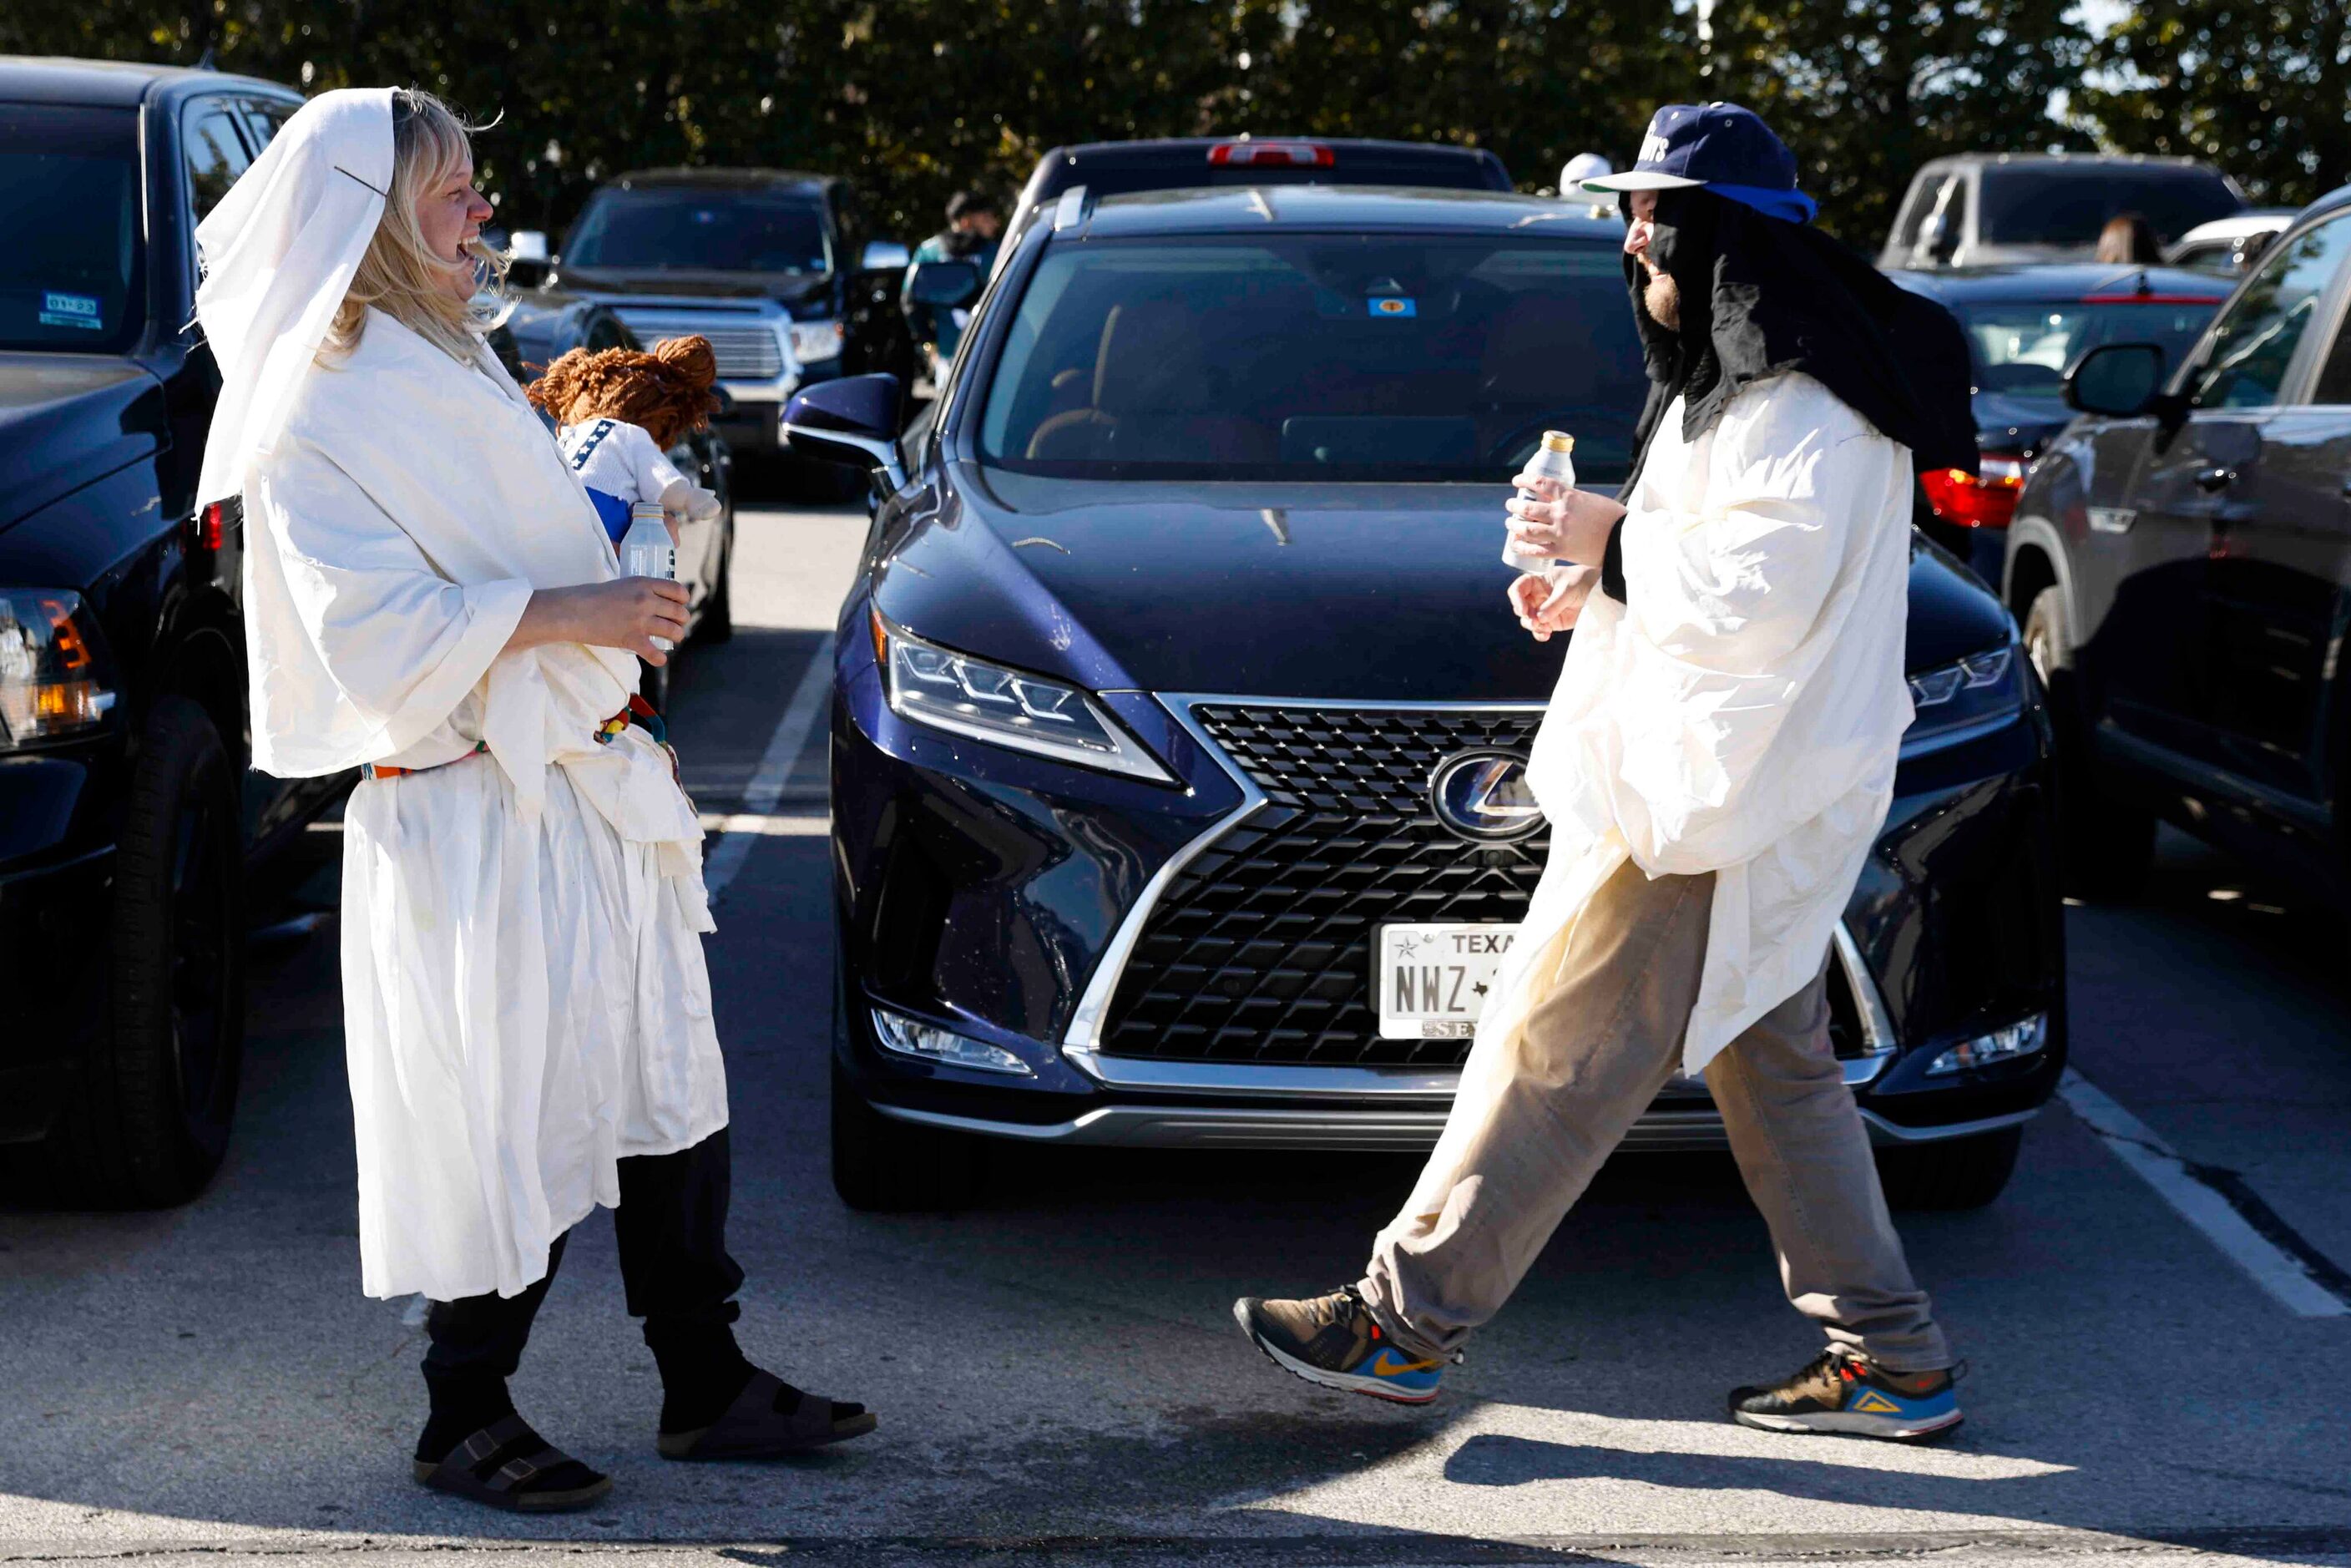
x,y
1483,796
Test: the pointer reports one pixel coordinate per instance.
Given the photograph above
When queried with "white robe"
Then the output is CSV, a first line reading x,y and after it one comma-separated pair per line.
x,y
524,990
1744,714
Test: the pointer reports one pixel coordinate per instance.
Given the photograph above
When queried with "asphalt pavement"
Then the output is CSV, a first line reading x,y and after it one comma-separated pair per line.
x,y
1056,1373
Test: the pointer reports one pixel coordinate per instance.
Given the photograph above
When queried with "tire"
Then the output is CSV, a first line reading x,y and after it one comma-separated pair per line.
x,y
882,1165
1965,1173
718,624
2104,847
149,1123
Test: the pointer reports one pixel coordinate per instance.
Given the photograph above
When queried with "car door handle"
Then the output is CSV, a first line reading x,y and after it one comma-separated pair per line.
x,y
2215,477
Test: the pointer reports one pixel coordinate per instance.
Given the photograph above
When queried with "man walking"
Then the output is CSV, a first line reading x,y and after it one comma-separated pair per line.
x,y
973,228
1716,762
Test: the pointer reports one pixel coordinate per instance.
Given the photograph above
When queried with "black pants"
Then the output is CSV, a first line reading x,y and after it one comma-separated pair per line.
x,y
671,1228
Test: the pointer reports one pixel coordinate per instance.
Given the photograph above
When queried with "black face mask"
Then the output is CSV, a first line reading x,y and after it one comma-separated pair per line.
x,y
1761,297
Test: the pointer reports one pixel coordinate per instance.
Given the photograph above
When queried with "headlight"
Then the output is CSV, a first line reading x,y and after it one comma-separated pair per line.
x,y
1980,691
2017,1040
813,340
51,681
964,696
910,1037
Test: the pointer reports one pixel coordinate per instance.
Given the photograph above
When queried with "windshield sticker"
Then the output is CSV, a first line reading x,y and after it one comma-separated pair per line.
x,y
1393,306
71,310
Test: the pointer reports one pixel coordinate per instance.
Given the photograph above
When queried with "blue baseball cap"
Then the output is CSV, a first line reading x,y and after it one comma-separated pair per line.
x,y
1717,147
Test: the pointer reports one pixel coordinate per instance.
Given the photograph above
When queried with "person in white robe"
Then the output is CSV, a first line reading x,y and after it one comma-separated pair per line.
x,y
1714,764
431,599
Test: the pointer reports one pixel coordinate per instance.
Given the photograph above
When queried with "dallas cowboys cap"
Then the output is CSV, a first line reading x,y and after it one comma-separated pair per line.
x,y
1717,147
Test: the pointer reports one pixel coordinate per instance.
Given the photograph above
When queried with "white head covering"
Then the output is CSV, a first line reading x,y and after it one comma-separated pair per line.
x,y
1581,167
278,256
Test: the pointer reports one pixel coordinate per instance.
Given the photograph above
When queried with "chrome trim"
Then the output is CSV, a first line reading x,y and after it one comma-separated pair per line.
x,y
1396,1131
1071,209
883,455
1080,1042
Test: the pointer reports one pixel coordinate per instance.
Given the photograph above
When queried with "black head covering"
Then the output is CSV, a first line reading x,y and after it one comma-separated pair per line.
x,y
1761,297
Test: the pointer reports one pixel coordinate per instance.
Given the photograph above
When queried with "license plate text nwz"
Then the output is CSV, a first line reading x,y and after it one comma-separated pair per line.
x,y
1433,980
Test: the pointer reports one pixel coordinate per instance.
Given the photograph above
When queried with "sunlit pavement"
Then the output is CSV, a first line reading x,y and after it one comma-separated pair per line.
x,y
1056,1373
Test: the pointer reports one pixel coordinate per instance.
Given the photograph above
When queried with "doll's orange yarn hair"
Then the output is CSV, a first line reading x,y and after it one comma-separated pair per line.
x,y
667,390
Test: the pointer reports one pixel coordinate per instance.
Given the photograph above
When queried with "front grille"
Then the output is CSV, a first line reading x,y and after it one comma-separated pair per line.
x,y
746,352
1260,950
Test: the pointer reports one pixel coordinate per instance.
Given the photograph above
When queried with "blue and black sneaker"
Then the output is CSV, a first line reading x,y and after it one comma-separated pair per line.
x,y
1334,1340
1842,1393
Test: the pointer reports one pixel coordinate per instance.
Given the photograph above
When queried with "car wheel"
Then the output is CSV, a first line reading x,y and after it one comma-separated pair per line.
x,y
1964,1173
2105,846
148,1121
718,610
882,1165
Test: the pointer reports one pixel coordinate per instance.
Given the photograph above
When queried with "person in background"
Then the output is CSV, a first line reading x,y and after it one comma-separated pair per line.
x,y
973,225
1714,765
2129,240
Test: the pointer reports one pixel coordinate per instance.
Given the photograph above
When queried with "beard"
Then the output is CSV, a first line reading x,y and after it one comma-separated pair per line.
x,y
1662,297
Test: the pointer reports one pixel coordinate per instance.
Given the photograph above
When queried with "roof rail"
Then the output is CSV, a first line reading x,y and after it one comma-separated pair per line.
x,y
1075,208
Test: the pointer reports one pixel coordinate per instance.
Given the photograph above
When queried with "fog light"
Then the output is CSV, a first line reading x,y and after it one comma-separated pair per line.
x,y
2017,1040
932,1043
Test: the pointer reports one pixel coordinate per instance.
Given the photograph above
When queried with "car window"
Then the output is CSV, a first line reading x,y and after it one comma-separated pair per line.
x,y
1329,357
2253,346
263,119
71,274
687,229
215,152
1915,208
2334,385
2022,347
606,332
2058,204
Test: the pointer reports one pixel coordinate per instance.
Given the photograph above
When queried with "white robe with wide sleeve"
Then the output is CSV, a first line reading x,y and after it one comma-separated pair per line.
x,y
524,990
1742,714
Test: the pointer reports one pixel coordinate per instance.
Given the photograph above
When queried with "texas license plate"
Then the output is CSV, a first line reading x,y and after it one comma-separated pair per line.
x,y
1433,980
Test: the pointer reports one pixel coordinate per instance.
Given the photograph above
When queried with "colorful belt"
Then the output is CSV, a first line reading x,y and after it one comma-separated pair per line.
x,y
638,712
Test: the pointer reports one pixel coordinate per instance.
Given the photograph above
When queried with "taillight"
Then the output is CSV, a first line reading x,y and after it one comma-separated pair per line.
x,y
1984,499
208,530
1280,154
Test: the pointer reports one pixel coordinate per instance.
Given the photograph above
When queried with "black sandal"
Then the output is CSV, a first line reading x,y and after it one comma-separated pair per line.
x,y
498,1465
753,1428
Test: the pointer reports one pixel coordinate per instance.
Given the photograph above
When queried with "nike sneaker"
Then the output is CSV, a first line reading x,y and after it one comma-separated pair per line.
x,y
1840,1391
1334,1341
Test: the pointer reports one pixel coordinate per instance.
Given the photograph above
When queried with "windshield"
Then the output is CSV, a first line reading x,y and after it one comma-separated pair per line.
x,y
2041,203
1331,357
700,230
70,278
2022,347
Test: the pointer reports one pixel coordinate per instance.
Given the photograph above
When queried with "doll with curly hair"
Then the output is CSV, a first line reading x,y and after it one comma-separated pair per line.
x,y
618,411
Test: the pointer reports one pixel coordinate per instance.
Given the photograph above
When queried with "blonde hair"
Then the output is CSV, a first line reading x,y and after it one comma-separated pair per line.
x,y
399,276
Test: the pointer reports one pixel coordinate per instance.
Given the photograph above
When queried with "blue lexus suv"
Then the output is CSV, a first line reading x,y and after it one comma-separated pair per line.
x,y
1178,714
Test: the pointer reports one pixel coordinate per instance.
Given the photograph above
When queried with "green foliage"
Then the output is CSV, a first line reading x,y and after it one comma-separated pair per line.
x,y
2262,89
913,99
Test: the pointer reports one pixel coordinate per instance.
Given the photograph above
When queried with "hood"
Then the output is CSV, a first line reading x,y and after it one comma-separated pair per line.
x,y
791,287
68,419
2006,422
1264,590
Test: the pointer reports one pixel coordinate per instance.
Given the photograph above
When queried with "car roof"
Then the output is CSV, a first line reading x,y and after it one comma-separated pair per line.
x,y
724,179
2077,159
1193,148
2333,201
2063,280
1253,209
107,84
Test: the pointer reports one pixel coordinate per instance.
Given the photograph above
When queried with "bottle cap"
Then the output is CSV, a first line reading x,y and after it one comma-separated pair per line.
x,y
640,510
1557,441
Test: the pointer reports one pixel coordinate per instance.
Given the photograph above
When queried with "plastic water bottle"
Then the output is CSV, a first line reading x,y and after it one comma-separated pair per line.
x,y
1553,459
646,549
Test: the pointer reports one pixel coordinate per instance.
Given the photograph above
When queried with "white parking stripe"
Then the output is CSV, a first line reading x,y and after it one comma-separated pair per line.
x,y
744,828
2296,1280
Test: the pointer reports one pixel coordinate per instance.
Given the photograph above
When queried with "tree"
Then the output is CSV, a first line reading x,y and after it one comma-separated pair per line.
x,y
2263,90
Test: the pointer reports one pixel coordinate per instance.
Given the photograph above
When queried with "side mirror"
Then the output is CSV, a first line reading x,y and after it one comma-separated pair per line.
x,y
884,252
949,284
2119,381
853,420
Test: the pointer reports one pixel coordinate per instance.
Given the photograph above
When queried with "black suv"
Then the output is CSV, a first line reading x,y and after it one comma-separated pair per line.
x,y
128,816
2181,560
777,267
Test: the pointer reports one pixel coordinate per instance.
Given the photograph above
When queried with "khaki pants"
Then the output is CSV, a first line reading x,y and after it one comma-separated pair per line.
x,y
1593,1054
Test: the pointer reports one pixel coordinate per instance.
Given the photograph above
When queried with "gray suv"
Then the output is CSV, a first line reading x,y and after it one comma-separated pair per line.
x,y
2181,560
1985,207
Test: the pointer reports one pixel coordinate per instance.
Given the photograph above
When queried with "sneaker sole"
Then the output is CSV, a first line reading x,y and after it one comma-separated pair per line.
x,y
1345,1383
1843,1424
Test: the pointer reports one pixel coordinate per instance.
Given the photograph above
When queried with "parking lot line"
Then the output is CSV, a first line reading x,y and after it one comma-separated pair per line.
x,y
2231,1216
740,830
